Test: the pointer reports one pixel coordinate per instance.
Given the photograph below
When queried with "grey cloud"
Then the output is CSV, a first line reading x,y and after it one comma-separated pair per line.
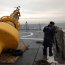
x,y
50,8
31,6
43,5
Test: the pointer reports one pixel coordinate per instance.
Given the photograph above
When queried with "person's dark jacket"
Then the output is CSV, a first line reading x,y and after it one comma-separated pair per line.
x,y
49,32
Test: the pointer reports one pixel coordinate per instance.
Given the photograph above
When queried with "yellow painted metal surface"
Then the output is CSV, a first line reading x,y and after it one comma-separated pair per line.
x,y
10,19
9,36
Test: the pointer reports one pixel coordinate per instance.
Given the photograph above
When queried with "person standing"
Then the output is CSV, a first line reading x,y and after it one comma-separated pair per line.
x,y
49,32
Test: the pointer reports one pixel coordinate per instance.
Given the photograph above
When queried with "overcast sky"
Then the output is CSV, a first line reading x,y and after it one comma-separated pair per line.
x,y
35,11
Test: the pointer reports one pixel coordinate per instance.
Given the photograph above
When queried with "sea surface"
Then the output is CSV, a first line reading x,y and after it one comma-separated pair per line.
x,y
40,26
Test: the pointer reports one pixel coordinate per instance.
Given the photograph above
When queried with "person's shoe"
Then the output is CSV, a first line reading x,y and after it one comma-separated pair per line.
x,y
51,60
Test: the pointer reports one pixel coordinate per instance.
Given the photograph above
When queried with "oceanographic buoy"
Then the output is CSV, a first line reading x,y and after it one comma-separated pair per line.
x,y
9,36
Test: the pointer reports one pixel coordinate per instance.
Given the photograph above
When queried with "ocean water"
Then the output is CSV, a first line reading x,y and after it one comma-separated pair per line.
x,y
40,26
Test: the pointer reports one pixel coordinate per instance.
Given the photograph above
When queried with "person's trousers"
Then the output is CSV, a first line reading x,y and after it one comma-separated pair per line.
x,y
45,51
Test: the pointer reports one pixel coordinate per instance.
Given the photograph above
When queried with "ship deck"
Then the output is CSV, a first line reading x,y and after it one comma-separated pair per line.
x,y
34,53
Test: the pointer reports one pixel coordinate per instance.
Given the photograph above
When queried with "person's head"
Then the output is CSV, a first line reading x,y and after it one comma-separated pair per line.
x,y
52,23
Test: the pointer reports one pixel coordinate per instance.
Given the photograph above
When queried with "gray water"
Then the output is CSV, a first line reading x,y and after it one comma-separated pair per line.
x,y
40,26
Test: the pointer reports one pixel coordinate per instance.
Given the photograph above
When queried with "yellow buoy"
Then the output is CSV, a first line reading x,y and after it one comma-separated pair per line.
x,y
9,37
9,19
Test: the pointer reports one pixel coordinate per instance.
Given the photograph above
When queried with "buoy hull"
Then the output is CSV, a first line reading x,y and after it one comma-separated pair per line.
x,y
9,36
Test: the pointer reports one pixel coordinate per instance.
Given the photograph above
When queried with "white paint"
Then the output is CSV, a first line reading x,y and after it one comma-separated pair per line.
x,y
51,60
32,38
30,34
